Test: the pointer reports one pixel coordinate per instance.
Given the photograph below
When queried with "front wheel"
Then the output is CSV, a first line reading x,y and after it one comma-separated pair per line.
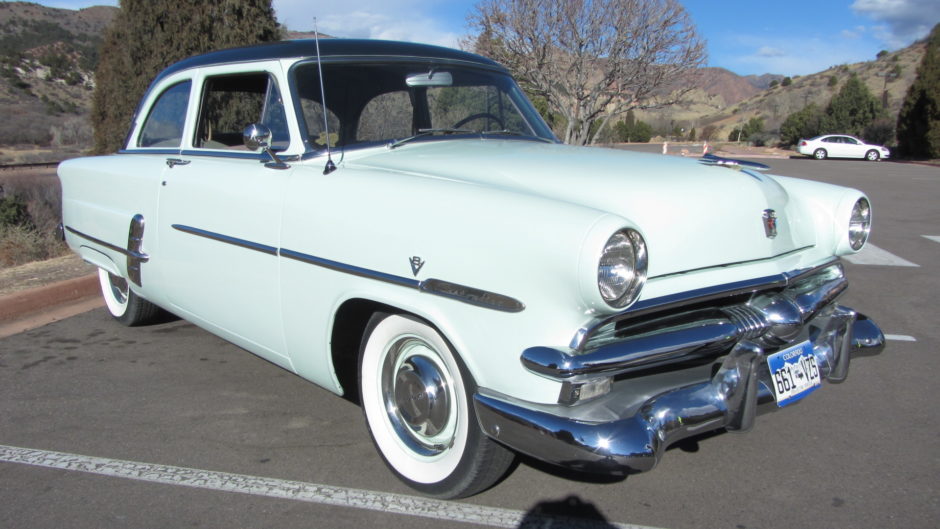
x,y
819,154
124,305
872,156
416,394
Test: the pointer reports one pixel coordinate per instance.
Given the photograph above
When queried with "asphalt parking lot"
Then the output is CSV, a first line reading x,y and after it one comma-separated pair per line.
x,y
168,426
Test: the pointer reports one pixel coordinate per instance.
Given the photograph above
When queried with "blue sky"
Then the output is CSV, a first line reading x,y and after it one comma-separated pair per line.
x,y
794,37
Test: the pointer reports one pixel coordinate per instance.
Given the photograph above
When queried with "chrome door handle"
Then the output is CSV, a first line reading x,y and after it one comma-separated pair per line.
x,y
173,162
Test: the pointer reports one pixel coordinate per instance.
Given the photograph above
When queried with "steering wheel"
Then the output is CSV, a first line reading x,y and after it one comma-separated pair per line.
x,y
480,115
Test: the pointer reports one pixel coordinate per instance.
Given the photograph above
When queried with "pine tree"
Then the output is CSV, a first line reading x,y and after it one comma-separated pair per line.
x,y
918,128
852,109
805,123
146,36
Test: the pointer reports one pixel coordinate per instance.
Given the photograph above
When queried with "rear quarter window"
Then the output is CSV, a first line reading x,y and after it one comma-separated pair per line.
x,y
164,124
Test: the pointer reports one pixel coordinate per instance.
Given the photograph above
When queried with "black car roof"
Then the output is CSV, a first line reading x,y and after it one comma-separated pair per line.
x,y
329,48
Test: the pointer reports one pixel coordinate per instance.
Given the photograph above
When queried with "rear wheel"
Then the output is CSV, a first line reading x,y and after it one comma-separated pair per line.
x,y
820,154
124,305
416,396
872,156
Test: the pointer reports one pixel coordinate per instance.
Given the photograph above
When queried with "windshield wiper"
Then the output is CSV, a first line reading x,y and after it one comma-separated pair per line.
x,y
505,132
428,132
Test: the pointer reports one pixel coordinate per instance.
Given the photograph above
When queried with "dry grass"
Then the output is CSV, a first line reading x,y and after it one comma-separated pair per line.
x,y
37,239
20,245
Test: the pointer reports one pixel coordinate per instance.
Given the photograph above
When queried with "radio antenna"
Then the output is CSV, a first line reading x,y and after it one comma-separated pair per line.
x,y
330,166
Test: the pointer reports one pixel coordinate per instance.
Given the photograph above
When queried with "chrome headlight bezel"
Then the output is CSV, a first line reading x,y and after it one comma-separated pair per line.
x,y
859,224
622,268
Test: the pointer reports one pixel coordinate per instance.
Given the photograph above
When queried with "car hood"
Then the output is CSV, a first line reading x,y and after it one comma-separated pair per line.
x,y
692,216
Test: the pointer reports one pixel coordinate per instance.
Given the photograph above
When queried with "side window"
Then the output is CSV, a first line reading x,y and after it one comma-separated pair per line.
x,y
386,116
164,125
232,102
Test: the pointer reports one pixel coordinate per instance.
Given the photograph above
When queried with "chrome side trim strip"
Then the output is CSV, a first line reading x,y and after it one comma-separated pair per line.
x,y
350,269
473,296
263,248
142,257
437,287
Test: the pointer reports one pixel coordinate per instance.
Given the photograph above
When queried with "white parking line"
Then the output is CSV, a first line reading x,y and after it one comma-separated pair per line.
x,y
873,255
900,338
295,490
934,238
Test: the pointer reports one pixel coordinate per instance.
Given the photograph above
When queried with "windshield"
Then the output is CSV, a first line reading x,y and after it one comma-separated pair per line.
x,y
369,103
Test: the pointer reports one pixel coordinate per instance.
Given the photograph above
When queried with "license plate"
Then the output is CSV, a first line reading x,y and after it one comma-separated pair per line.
x,y
794,373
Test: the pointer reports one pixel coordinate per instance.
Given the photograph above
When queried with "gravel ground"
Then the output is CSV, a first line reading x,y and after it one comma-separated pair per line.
x,y
41,273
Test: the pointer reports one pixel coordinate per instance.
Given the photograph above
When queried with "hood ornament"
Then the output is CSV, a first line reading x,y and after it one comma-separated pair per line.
x,y
731,163
770,223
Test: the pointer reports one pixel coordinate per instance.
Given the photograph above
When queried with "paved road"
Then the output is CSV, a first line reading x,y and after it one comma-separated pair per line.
x,y
171,398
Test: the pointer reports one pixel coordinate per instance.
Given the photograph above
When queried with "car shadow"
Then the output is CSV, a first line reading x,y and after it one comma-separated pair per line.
x,y
569,512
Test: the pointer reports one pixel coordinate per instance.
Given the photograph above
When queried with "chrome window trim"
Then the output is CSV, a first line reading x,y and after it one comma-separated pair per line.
x,y
146,150
749,286
241,155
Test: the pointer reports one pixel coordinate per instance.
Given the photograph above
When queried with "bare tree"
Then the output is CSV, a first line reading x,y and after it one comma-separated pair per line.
x,y
591,60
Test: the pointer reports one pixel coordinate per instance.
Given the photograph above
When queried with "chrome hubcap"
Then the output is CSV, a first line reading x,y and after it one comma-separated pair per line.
x,y
118,288
417,392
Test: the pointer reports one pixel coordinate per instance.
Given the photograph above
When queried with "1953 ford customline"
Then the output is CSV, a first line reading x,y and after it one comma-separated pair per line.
x,y
395,221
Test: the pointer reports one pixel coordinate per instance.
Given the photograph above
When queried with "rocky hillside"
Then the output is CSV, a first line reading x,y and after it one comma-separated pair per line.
x,y
887,77
47,61
48,56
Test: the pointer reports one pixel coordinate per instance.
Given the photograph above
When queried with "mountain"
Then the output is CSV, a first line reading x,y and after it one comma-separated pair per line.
x,y
731,87
48,57
716,106
47,62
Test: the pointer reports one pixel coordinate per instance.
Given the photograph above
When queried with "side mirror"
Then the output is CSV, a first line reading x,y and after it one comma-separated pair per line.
x,y
257,136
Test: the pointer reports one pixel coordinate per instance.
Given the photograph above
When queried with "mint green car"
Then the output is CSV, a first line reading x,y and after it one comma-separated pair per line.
x,y
395,221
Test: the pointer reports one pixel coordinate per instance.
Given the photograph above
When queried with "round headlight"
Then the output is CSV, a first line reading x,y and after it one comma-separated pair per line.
x,y
860,224
621,271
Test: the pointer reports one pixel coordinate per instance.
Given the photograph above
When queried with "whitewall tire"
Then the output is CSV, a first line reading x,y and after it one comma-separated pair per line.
x,y
124,305
416,396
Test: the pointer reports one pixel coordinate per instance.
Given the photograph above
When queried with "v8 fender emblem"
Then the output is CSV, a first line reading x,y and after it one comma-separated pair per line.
x,y
416,264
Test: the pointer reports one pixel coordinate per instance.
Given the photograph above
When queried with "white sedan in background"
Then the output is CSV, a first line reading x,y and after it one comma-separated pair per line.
x,y
841,146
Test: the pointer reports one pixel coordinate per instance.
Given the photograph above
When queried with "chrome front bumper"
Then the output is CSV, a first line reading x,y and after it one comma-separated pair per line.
x,y
649,409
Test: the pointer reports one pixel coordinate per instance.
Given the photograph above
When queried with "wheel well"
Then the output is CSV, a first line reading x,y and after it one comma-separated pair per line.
x,y
348,327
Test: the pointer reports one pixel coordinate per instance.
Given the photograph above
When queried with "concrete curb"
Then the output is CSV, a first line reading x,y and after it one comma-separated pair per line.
x,y
19,304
